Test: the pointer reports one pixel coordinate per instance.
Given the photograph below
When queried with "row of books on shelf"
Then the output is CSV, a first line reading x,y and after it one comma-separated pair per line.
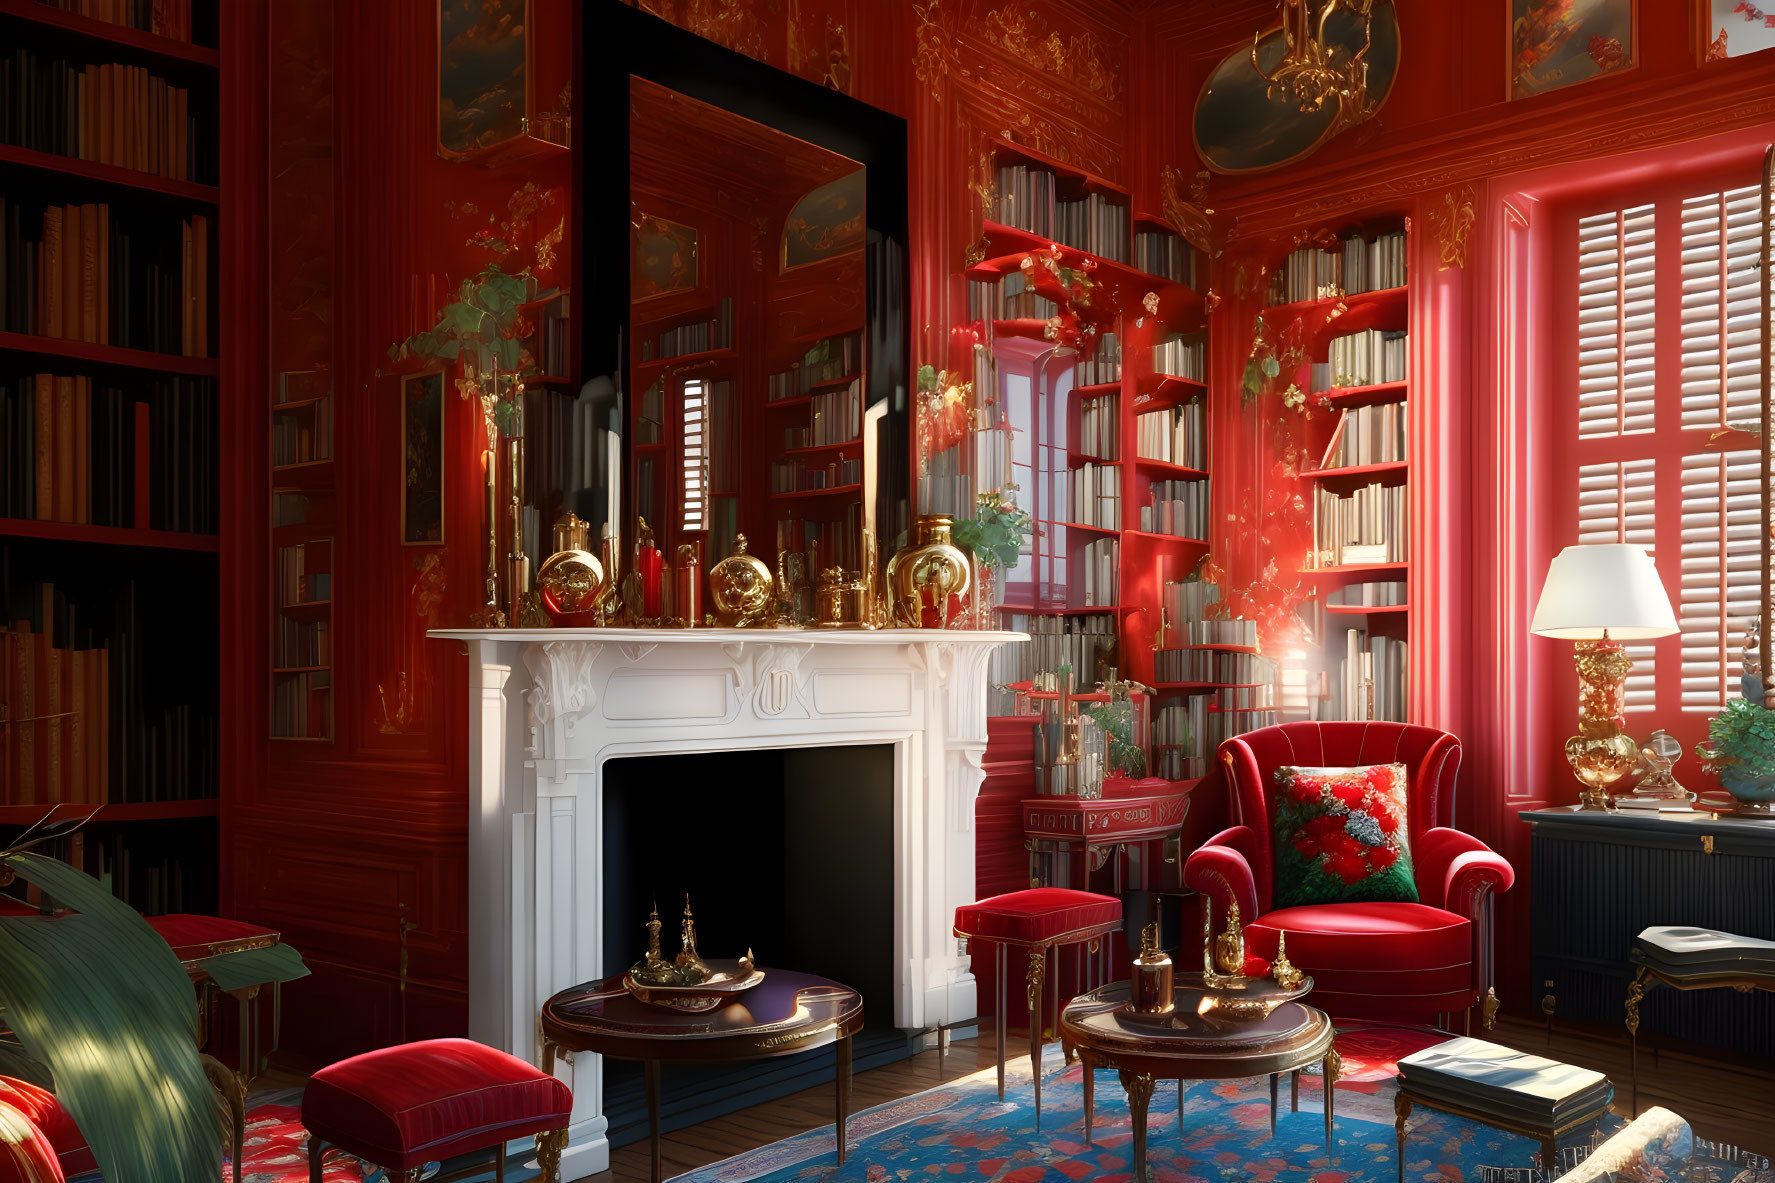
x,y
1026,197
109,114
163,18
80,728
1370,525
1100,427
950,480
78,273
1097,496
1370,681
650,415
1178,509
832,359
1086,643
1356,264
301,705
811,545
1186,604
295,584
835,416
1367,358
298,644
1166,255
554,328
1187,729
724,436
1093,223
1177,434
1105,365
696,337
73,448
798,476
1099,574
1213,665
303,439
1367,595
1182,356
1011,297
1367,435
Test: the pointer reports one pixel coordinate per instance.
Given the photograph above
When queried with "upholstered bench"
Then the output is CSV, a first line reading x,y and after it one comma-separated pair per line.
x,y
1039,919
1689,958
402,1107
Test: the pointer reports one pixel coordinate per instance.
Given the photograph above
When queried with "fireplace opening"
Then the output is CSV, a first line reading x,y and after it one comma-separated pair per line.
x,y
788,851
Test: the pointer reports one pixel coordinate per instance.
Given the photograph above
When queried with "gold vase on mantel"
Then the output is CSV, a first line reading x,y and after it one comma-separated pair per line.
x,y
926,576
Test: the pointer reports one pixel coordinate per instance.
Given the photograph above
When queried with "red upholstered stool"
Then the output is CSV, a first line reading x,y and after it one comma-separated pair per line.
x,y
402,1107
58,1128
25,1153
1039,919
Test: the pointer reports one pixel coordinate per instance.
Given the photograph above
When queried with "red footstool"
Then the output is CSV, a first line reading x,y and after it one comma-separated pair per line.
x,y
402,1107
25,1153
46,1113
1038,920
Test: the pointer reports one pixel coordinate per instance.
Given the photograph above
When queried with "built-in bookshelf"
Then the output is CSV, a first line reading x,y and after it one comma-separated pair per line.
x,y
109,392
303,504
1119,471
1349,303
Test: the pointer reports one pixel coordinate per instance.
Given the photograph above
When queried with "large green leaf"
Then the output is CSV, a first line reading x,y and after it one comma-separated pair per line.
x,y
250,967
100,998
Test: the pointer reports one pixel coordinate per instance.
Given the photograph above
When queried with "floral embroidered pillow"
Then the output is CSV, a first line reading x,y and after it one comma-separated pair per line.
x,y
1341,836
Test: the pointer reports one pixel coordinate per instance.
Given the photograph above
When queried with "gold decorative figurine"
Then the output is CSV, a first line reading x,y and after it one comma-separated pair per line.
x,y
1283,971
740,588
687,962
571,580
925,575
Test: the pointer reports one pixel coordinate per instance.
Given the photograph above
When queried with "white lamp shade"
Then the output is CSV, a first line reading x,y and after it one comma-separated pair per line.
x,y
1610,587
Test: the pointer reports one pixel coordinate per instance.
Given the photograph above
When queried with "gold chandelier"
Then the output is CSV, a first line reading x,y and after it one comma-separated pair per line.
x,y
1312,69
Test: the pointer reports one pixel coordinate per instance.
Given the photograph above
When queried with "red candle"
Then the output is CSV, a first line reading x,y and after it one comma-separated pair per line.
x,y
651,565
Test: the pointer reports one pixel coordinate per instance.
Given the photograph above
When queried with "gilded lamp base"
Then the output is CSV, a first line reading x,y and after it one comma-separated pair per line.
x,y
1601,753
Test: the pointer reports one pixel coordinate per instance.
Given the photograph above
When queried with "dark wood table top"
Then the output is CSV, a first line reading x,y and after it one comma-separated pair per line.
x,y
1193,1042
786,1013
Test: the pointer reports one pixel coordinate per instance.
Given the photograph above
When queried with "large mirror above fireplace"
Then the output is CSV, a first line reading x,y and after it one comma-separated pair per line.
x,y
745,331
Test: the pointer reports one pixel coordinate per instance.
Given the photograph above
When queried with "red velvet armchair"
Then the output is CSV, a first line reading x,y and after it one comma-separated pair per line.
x,y
1368,960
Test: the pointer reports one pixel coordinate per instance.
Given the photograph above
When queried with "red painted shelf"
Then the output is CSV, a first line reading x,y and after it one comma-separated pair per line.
x,y
126,811
110,355
1357,573
707,357
1172,472
1352,301
1126,285
835,383
856,443
1103,610
1367,396
1399,469
838,491
1082,526
1366,609
1219,648
107,535
152,44
109,174
1169,389
1165,539
1205,687
1097,389
1079,460
799,400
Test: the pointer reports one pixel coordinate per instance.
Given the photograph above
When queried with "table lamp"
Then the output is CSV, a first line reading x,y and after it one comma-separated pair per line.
x,y
1600,596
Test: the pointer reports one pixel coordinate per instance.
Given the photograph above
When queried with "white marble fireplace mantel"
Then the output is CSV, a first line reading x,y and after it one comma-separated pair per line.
x,y
549,706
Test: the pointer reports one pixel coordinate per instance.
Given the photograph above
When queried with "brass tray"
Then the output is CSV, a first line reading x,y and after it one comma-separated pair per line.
x,y
703,996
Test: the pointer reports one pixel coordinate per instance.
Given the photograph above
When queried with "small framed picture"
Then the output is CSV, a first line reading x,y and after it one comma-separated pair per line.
x,y
422,459
1557,43
1735,28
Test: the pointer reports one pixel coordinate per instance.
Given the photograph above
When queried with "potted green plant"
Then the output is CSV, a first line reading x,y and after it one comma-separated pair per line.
x,y
994,536
1740,748
100,1009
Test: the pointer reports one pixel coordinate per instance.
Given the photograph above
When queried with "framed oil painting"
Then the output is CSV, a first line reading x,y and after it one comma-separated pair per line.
x,y
1734,28
483,67
827,222
1556,43
665,258
422,459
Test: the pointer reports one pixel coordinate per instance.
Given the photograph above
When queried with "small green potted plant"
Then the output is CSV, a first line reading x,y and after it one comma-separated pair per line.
x,y
1740,748
994,536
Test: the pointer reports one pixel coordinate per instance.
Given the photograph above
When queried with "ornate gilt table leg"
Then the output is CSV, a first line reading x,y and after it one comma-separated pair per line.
x,y
1090,1097
843,1082
549,1145
1401,1111
1140,1092
1334,1064
1636,990
1038,964
652,1071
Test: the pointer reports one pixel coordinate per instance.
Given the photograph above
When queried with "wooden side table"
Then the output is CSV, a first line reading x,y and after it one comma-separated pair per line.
x,y
785,1014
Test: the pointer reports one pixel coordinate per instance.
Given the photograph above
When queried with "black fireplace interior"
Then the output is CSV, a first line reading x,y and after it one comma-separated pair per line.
x,y
788,851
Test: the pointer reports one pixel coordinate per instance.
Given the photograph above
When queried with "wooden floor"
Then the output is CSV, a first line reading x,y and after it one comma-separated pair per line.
x,y
1722,1102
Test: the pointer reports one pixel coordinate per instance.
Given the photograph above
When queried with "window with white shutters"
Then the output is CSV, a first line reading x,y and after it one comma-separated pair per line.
x,y
1668,349
695,420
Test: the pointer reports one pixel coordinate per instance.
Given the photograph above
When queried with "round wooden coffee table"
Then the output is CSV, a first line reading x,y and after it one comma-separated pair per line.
x,y
1197,1041
785,1014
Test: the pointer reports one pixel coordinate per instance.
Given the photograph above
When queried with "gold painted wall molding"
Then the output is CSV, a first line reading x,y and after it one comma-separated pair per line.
x,y
1451,221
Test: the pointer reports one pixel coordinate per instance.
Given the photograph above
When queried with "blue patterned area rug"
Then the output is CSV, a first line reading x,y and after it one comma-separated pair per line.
x,y
961,1130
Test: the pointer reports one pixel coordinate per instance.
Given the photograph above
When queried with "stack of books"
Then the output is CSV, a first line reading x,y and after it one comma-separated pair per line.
x,y
1178,509
835,416
1368,358
1175,435
69,449
835,358
1012,297
700,336
1097,496
1086,643
1357,264
798,476
1100,574
1371,681
1367,435
1182,606
1370,525
1213,665
1095,224
1101,367
1100,427
1180,356
163,18
109,114
1166,255
1024,198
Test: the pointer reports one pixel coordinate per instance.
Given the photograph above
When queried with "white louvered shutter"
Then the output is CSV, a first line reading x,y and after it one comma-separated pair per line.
x,y
1616,322
1721,572
1616,504
695,423
1722,319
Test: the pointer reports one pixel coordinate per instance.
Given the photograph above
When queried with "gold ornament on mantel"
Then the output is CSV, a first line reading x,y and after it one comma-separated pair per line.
x,y
740,588
924,575
571,580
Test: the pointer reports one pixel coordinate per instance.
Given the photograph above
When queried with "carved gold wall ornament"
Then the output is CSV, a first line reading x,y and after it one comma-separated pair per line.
x,y
933,50
976,252
1451,221
1191,217
1081,60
